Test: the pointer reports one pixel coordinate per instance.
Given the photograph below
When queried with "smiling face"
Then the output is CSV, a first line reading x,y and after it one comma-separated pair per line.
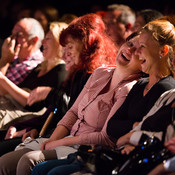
x,y
50,46
148,52
127,57
71,52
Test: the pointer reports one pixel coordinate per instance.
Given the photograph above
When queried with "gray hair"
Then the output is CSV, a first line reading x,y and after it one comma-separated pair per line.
x,y
127,15
34,30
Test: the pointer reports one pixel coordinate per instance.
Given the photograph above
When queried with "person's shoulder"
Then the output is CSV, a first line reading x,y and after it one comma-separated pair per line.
x,y
102,73
168,81
105,68
60,66
143,81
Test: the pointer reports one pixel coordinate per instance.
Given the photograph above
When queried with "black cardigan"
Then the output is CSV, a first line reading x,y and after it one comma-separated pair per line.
x,y
136,106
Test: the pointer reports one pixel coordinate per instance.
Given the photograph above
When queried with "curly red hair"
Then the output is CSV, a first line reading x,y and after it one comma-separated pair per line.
x,y
98,49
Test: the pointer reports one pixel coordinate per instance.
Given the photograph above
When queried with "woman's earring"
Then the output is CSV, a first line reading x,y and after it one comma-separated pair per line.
x,y
160,57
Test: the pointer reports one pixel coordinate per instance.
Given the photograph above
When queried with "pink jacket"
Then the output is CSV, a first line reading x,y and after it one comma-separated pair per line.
x,y
88,116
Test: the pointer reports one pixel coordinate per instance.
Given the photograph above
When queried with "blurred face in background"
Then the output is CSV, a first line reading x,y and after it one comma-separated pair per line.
x,y
42,19
139,23
114,28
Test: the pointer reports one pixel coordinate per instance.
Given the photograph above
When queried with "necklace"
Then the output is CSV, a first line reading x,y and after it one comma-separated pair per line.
x,y
147,89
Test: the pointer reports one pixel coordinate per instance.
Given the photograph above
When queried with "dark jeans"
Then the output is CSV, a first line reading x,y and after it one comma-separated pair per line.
x,y
58,167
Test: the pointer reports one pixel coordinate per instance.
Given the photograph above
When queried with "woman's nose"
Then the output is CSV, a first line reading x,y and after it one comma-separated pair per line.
x,y
132,49
137,51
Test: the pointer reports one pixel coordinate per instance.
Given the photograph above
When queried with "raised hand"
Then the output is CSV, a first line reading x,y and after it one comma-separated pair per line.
x,y
10,49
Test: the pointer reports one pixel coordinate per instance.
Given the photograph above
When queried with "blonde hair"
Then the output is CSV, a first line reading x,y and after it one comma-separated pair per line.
x,y
164,33
56,29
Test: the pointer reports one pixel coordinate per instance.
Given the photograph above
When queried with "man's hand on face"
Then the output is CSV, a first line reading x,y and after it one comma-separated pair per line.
x,y
10,49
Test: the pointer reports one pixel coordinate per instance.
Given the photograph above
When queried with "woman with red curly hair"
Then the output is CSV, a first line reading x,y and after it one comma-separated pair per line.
x,y
106,89
94,49
97,48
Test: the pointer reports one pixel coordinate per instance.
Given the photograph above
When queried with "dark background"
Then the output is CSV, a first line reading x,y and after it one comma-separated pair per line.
x,y
77,7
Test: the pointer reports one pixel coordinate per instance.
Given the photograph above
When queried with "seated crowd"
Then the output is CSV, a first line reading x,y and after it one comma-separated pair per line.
x,y
104,79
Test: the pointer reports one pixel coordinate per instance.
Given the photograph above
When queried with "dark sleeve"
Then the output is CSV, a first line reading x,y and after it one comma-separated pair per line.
x,y
124,118
119,124
159,121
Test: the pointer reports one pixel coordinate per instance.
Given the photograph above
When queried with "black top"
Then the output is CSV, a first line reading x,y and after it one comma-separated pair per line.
x,y
53,78
136,106
159,121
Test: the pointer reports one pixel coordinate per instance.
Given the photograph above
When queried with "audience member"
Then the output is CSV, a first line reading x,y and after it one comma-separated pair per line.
x,y
119,20
145,16
102,95
21,51
15,97
67,18
46,14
